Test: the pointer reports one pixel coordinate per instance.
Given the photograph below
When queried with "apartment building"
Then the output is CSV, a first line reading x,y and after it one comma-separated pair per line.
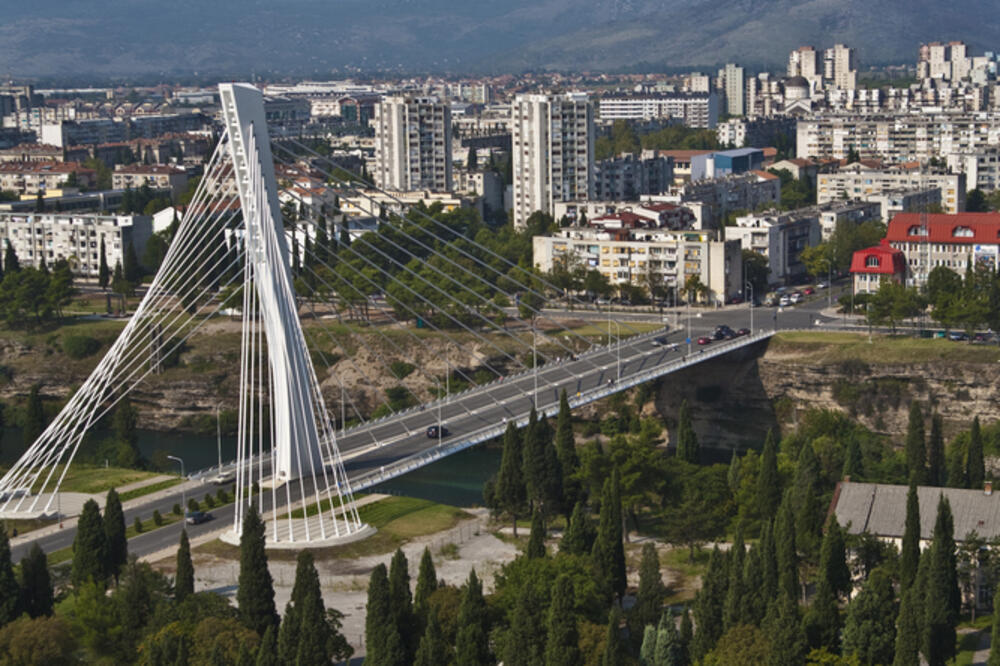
x,y
31,152
553,152
155,176
756,132
413,144
839,67
805,62
952,241
858,181
873,264
732,83
74,237
29,178
779,236
655,214
981,167
636,256
629,176
714,198
693,109
904,200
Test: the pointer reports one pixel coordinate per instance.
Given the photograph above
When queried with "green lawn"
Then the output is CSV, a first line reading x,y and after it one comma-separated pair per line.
x,y
93,480
834,347
148,490
685,574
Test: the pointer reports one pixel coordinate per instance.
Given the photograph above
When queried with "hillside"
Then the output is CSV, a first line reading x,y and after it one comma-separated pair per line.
x,y
63,39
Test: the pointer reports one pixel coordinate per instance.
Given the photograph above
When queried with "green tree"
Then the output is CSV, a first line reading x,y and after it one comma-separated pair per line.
x,y
255,592
34,417
908,624
566,448
11,263
525,641
807,488
788,559
688,448
44,640
184,579
994,659
10,591
124,426
116,553
869,629
975,468
472,643
736,593
89,547
916,451
709,603
37,596
937,473
768,482
909,555
384,645
267,653
686,636
511,493
561,647
402,602
833,559
784,628
942,597
579,536
668,645
609,550
103,271
647,650
536,541
426,584
652,592
433,649
613,649
975,201
821,622
131,269
305,636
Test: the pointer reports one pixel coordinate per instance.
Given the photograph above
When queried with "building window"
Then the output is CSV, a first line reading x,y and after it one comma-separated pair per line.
x,y
871,261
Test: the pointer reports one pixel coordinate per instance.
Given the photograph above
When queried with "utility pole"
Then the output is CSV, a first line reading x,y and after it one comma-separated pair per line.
x,y
183,491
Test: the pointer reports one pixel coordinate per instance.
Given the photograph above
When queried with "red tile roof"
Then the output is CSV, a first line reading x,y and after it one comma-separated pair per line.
x,y
890,260
969,228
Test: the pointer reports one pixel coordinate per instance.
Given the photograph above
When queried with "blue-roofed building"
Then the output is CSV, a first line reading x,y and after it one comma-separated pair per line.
x,y
726,162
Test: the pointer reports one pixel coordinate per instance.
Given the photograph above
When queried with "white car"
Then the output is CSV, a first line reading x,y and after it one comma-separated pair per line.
x,y
784,301
223,478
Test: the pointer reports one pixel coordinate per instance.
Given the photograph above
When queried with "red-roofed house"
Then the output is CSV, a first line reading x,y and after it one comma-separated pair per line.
x,y
946,240
871,265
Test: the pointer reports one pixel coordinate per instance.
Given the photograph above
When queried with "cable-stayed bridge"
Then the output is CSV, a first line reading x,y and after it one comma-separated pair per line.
x,y
239,248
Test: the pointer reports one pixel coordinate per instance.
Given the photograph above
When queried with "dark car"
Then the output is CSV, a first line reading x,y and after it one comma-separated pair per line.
x,y
197,517
723,332
432,432
704,340
659,341
957,336
742,332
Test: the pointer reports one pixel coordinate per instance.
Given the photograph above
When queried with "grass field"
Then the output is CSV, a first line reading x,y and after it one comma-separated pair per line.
x,y
92,480
830,347
148,490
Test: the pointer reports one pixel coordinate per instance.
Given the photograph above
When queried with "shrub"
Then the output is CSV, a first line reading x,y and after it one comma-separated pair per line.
x,y
80,346
222,496
401,369
209,500
177,509
157,518
192,504
138,525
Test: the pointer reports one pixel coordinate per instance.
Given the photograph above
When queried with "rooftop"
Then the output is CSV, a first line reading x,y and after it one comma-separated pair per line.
x,y
969,228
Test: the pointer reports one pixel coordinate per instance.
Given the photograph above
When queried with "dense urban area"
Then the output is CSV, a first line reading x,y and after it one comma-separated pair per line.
x,y
451,236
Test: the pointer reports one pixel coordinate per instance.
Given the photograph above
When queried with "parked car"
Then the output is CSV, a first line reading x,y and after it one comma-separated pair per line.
x,y
704,340
982,337
223,478
957,336
821,285
432,432
742,332
796,297
659,340
784,301
808,291
197,517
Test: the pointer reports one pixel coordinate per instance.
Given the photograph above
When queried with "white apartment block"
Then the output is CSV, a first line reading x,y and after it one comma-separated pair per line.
x,y
74,237
628,257
29,178
155,176
859,182
731,82
981,167
805,62
693,109
951,241
718,196
779,236
698,82
839,67
413,144
893,202
553,152
629,177
897,137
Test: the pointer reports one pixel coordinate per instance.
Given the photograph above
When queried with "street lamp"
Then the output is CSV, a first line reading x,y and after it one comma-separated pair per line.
x,y
749,288
183,492
534,362
618,343
440,399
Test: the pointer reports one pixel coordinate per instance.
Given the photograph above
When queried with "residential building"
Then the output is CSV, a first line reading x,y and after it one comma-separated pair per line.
x,y
930,240
693,109
903,200
779,236
31,152
839,68
756,132
872,265
682,161
83,132
66,200
628,177
805,62
74,237
713,199
654,214
726,162
731,82
698,83
981,167
28,178
553,152
629,254
857,181
155,176
413,144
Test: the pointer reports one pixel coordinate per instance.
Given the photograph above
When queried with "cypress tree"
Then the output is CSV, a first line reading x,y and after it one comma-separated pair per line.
x,y
511,492
290,632
89,547
907,635
853,461
994,659
869,628
383,644
941,605
255,594
613,641
433,649
937,473
909,555
34,417
552,479
525,642
562,645
314,633
130,264
609,551
426,584
833,559
533,458
733,475
784,629
10,591
686,636
768,481
267,653
11,264
569,461
579,536
754,605
667,643
402,601
788,559
536,541
651,592
732,612
822,621
36,584
709,604
647,651
184,581
116,554
768,564
472,643
916,448
688,448
807,490
975,468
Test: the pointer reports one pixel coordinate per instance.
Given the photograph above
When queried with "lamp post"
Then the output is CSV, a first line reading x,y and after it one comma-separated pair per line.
x,y
218,436
868,316
749,288
439,400
618,344
534,363
183,492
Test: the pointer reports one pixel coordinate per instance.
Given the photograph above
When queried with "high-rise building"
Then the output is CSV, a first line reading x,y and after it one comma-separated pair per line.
x,y
731,82
413,144
839,67
804,61
553,151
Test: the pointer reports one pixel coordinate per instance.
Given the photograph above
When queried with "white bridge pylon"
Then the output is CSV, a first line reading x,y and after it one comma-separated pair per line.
x,y
228,247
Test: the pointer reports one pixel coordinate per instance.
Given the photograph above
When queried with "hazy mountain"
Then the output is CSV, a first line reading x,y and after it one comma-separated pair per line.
x,y
127,37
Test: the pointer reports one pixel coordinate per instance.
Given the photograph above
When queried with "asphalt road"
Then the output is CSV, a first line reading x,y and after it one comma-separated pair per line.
x,y
382,444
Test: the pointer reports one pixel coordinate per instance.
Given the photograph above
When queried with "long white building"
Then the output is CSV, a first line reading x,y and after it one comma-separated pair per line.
x,y
857,181
553,152
413,144
694,109
74,237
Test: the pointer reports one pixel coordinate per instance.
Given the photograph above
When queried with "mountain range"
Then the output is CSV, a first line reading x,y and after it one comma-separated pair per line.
x,y
115,39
